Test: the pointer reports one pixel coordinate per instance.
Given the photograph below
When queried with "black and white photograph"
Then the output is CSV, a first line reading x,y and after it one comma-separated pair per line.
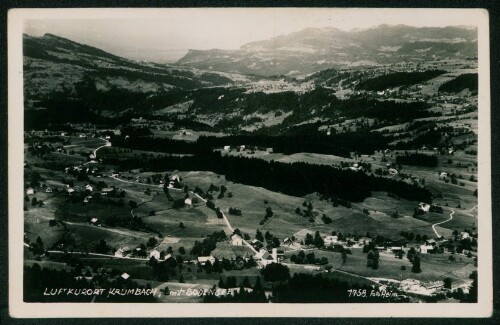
x,y
184,159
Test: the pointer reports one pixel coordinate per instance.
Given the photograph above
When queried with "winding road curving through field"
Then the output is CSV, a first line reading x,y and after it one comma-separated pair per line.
x,y
439,223
96,149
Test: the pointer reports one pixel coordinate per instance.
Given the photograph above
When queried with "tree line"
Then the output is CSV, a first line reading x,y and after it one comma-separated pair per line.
x,y
397,79
364,142
463,81
297,179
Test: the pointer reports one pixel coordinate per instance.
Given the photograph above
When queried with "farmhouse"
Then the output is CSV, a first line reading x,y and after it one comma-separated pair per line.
x,y
89,187
330,240
106,190
364,241
204,259
70,190
188,202
87,199
465,235
278,255
431,242
236,240
95,222
426,249
227,148
49,190
393,171
125,275
265,258
123,251
443,175
30,191
287,241
434,285
256,244
155,253
138,251
424,207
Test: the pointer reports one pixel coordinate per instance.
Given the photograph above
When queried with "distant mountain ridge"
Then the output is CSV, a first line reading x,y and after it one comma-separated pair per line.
x,y
314,49
56,64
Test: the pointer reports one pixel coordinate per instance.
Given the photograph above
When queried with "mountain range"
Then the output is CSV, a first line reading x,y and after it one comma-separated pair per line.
x,y
67,76
314,49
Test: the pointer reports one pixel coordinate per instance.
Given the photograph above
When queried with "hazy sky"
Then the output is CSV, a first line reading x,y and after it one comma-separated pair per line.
x,y
163,35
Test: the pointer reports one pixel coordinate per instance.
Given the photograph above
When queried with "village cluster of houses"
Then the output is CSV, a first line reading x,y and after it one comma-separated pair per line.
x,y
138,252
245,147
31,191
332,241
